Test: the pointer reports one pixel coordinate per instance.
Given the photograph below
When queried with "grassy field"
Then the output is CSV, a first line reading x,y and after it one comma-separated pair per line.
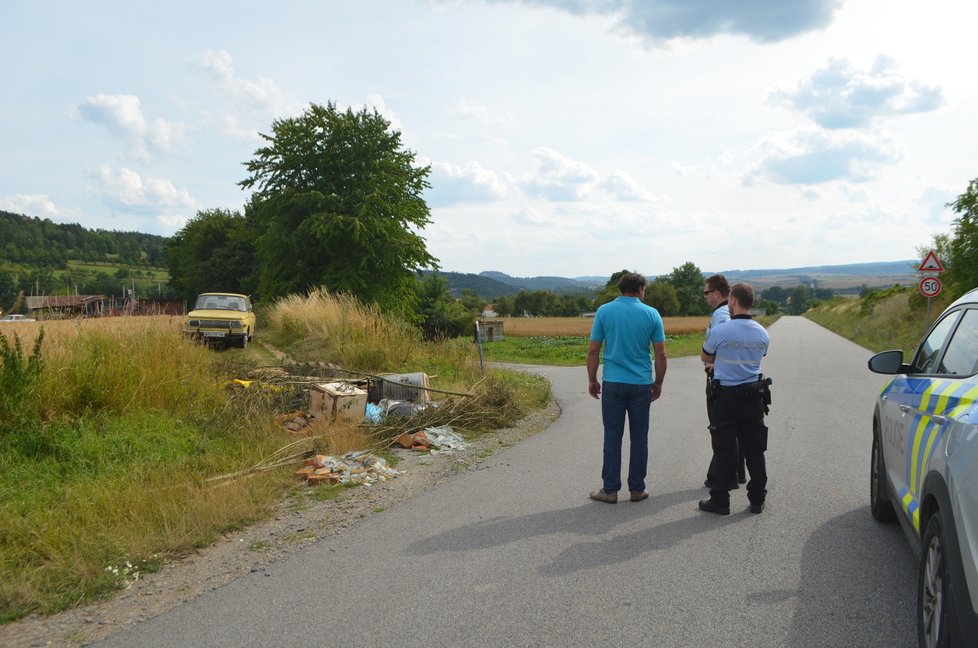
x,y
569,350
563,341
581,326
152,274
892,323
121,443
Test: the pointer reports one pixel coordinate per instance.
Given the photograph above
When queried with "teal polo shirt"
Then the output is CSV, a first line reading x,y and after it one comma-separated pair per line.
x,y
628,328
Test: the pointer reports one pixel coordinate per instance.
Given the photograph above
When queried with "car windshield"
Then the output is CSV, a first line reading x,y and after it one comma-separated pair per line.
x,y
220,302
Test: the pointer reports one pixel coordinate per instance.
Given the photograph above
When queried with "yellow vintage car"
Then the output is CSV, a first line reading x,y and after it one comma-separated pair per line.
x,y
226,318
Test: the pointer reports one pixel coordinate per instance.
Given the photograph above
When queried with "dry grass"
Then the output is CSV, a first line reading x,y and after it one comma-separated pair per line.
x,y
352,334
564,326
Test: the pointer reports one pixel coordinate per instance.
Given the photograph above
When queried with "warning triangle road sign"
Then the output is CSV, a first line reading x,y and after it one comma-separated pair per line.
x,y
931,263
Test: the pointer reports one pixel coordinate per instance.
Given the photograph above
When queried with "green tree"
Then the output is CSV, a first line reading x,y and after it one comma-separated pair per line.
x,y
961,273
688,281
438,314
337,203
798,302
610,292
470,300
662,296
214,251
8,289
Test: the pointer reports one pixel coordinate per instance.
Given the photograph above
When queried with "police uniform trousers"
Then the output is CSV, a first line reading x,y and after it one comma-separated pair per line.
x,y
738,413
741,461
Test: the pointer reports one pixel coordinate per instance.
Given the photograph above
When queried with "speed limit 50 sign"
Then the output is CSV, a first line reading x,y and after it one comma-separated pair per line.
x,y
930,286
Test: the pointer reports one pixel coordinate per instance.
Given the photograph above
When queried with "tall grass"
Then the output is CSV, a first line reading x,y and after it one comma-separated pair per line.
x,y
340,329
115,431
892,321
106,459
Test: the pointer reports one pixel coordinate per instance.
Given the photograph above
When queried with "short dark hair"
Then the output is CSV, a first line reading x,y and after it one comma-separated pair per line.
x,y
719,282
743,293
632,283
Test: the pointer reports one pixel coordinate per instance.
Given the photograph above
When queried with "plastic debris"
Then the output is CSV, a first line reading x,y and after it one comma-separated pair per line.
x,y
403,408
374,414
443,439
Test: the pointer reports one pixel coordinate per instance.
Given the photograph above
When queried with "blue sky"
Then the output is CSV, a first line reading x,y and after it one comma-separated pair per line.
x,y
566,137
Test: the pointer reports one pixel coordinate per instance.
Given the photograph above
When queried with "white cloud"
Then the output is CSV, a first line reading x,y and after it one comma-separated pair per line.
x,y
122,116
841,96
128,190
452,184
262,96
462,109
561,179
812,156
533,218
557,177
37,205
624,187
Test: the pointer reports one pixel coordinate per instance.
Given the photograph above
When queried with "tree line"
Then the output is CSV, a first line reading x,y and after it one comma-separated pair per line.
x,y
337,202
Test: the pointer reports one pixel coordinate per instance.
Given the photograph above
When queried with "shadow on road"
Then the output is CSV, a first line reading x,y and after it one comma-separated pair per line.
x,y
835,605
589,519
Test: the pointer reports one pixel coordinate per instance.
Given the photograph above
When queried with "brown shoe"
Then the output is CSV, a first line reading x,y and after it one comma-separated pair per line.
x,y
638,496
601,495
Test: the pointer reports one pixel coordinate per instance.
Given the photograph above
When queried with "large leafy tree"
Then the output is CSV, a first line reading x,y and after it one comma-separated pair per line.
x,y
661,295
338,203
688,279
962,246
213,252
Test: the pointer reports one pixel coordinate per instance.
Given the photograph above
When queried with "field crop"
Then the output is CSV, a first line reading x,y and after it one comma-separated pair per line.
x,y
571,326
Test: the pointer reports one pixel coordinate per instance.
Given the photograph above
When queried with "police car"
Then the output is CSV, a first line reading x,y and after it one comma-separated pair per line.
x,y
924,469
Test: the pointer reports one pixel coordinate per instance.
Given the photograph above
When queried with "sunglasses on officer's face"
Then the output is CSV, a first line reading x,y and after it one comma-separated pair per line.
x,y
707,292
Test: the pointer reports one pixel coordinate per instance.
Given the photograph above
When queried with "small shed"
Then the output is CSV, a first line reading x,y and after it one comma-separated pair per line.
x,y
65,306
489,330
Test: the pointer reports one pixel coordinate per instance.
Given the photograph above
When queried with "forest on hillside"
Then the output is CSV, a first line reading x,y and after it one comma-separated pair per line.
x,y
40,257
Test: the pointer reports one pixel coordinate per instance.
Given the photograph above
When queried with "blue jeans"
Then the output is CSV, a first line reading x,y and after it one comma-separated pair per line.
x,y
617,400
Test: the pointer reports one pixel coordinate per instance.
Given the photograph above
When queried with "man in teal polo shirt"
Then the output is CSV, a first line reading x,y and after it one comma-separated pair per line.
x,y
630,331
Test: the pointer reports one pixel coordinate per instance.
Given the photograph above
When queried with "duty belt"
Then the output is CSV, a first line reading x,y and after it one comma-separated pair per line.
x,y
761,388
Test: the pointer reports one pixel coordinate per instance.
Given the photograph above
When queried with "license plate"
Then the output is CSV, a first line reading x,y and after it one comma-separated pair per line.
x,y
217,334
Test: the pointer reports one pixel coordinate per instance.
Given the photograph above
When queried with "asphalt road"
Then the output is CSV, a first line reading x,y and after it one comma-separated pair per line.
x,y
515,554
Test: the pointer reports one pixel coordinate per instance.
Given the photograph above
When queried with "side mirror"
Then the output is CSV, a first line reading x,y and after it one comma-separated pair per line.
x,y
888,362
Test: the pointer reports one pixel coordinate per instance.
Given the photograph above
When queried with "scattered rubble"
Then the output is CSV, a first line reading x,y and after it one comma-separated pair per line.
x,y
360,467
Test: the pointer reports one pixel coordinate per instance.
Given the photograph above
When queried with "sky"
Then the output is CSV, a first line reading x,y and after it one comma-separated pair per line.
x,y
565,137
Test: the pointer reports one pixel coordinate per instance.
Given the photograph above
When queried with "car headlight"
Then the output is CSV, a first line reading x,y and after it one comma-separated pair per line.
x,y
235,324
194,323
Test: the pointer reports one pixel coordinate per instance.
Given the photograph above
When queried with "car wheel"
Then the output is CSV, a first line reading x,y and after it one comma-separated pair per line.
x,y
879,496
243,342
934,599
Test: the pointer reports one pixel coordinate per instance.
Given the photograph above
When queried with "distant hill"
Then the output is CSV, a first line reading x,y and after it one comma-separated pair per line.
x,y
838,277
557,285
847,277
485,287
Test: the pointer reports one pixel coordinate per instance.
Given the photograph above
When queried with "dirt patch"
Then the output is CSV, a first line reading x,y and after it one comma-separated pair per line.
x,y
252,549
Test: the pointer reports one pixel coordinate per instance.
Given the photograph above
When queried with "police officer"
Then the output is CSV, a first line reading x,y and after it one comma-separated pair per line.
x,y
715,292
740,399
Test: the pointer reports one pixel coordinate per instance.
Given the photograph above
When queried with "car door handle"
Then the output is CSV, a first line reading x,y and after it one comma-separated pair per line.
x,y
904,408
940,420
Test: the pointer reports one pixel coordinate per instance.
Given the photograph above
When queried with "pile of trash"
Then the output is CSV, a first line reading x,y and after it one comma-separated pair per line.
x,y
433,439
360,467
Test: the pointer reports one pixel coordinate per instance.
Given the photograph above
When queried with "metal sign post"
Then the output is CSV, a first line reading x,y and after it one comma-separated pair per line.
x,y
930,287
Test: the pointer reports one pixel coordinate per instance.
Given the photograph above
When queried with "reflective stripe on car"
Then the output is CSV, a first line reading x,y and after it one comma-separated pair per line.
x,y
943,397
